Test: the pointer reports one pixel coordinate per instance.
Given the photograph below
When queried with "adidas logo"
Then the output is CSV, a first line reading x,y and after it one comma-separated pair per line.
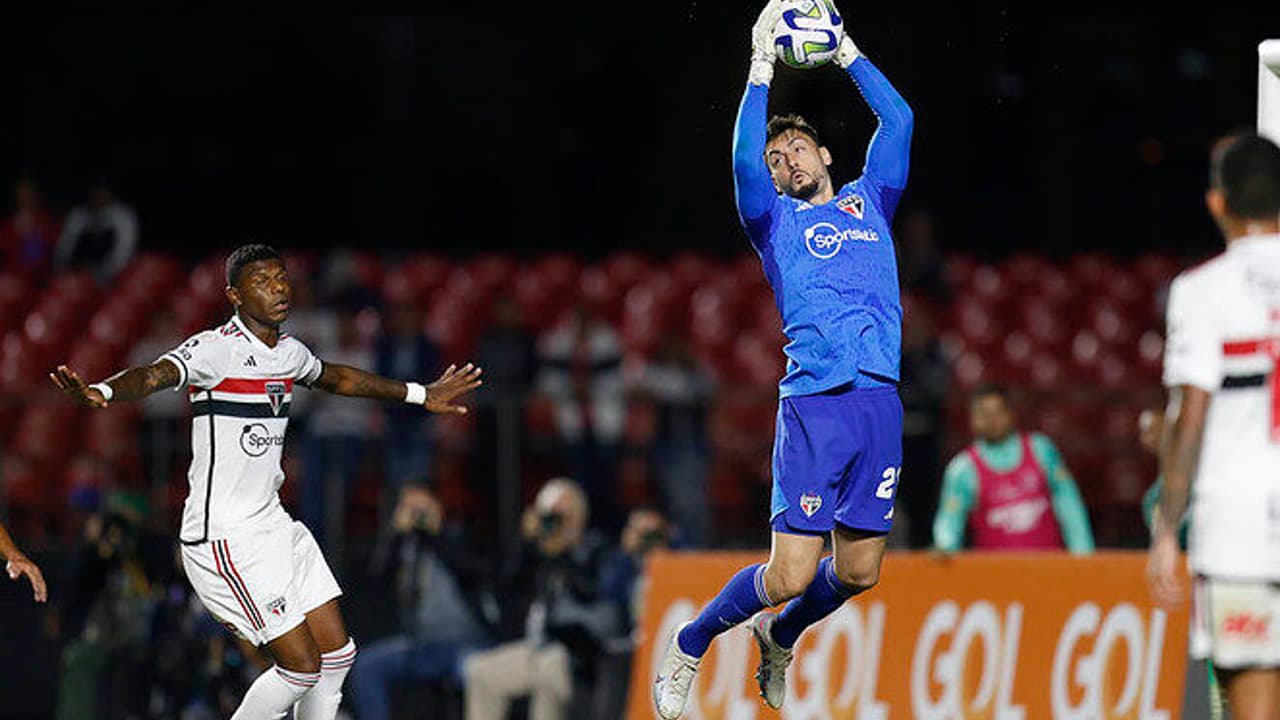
x,y
251,362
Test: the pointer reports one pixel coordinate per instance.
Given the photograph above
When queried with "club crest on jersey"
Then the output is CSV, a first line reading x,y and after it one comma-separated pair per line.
x,y
275,394
853,205
276,607
809,503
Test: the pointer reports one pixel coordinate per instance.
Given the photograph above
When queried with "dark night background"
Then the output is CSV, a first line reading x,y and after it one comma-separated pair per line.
x,y
606,125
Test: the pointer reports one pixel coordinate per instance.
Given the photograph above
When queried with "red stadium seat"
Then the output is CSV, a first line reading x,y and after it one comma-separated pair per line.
x,y
1091,271
625,269
15,298
967,372
209,280
1150,356
560,272
959,270
1043,323
1047,372
1056,286
601,294
94,360
979,325
493,271
691,269
75,288
990,285
1114,325
1025,271
1157,270
46,431
758,359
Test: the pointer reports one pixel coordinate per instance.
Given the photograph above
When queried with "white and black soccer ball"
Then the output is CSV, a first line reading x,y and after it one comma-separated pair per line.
x,y
808,33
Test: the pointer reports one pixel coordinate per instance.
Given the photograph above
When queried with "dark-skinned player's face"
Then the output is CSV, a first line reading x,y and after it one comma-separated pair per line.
x,y
991,418
797,164
262,292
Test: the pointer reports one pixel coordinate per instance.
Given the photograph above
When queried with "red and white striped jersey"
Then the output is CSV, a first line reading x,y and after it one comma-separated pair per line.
x,y
1224,337
240,391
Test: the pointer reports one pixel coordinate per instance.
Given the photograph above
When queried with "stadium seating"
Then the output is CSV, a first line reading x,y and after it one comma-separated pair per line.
x,y
1080,341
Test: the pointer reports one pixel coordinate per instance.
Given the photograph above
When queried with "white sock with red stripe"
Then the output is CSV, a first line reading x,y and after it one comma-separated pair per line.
x,y
322,702
273,693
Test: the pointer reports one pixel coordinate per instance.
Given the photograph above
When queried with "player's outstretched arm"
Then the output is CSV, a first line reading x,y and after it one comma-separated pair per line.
x,y
18,564
436,397
131,384
889,154
753,187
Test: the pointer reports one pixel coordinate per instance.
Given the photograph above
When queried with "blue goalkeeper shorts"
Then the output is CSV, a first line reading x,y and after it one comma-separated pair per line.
x,y
837,458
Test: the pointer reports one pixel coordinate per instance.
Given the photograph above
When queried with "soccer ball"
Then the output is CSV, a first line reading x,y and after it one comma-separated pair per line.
x,y
808,33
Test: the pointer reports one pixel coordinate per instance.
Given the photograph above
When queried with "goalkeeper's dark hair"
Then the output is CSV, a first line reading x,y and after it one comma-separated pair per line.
x,y
246,254
1246,168
779,124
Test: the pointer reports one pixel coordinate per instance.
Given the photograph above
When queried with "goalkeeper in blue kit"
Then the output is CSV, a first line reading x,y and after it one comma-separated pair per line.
x,y
837,456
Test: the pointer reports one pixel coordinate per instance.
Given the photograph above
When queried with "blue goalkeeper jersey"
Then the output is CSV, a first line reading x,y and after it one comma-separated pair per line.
x,y
832,266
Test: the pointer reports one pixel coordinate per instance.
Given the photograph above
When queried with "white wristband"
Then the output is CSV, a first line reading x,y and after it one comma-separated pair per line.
x,y
848,52
103,388
415,393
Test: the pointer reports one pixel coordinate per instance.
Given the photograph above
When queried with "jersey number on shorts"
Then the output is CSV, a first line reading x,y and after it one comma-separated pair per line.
x,y
885,490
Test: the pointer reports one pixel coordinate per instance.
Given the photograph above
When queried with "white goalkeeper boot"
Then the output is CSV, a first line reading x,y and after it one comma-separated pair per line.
x,y
675,677
774,660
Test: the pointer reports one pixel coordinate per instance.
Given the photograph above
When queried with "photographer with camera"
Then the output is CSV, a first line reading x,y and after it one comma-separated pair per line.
x,y
440,586
557,612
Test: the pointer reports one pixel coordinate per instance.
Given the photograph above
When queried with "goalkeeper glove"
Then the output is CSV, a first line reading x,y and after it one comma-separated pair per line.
x,y
763,52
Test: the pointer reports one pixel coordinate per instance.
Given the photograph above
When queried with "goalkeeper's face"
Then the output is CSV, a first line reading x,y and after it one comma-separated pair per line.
x,y
798,165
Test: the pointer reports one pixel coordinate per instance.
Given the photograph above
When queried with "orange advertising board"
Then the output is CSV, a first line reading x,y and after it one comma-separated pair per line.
x,y
980,636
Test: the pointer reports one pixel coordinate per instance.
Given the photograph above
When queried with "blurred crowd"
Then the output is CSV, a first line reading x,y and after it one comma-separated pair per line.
x,y
644,388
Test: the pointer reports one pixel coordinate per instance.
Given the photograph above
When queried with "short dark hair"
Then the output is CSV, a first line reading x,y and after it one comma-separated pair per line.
x,y
246,254
1247,170
988,389
779,124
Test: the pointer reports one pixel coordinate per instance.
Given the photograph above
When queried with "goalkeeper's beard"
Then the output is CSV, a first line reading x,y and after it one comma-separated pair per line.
x,y
805,191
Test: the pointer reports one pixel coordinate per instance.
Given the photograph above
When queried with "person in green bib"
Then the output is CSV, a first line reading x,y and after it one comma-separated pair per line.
x,y
1010,489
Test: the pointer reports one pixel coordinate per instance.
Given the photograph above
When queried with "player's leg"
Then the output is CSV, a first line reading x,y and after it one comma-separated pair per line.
x,y
793,559
245,584
866,427
295,673
1252,693
318,594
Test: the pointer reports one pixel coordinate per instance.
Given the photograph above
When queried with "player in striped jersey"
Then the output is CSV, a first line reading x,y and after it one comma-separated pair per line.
x,y
254,568
1223,432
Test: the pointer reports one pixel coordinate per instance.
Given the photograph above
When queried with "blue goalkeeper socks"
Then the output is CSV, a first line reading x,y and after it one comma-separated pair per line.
x,y
742,597
823,596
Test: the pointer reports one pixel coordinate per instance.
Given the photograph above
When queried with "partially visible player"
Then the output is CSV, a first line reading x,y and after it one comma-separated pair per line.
x,y
17,564
1223,430
257,570
837,456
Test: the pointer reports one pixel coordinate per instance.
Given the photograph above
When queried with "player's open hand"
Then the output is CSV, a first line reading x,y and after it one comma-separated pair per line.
x,y
20,565
69,382
454,382
1162,570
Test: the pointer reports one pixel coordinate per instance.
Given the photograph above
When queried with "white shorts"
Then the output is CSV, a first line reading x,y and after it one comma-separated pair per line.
x,y
261,585
1235,623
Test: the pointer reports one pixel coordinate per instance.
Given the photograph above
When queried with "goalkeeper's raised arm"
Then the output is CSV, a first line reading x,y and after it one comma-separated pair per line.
x,y
889,153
